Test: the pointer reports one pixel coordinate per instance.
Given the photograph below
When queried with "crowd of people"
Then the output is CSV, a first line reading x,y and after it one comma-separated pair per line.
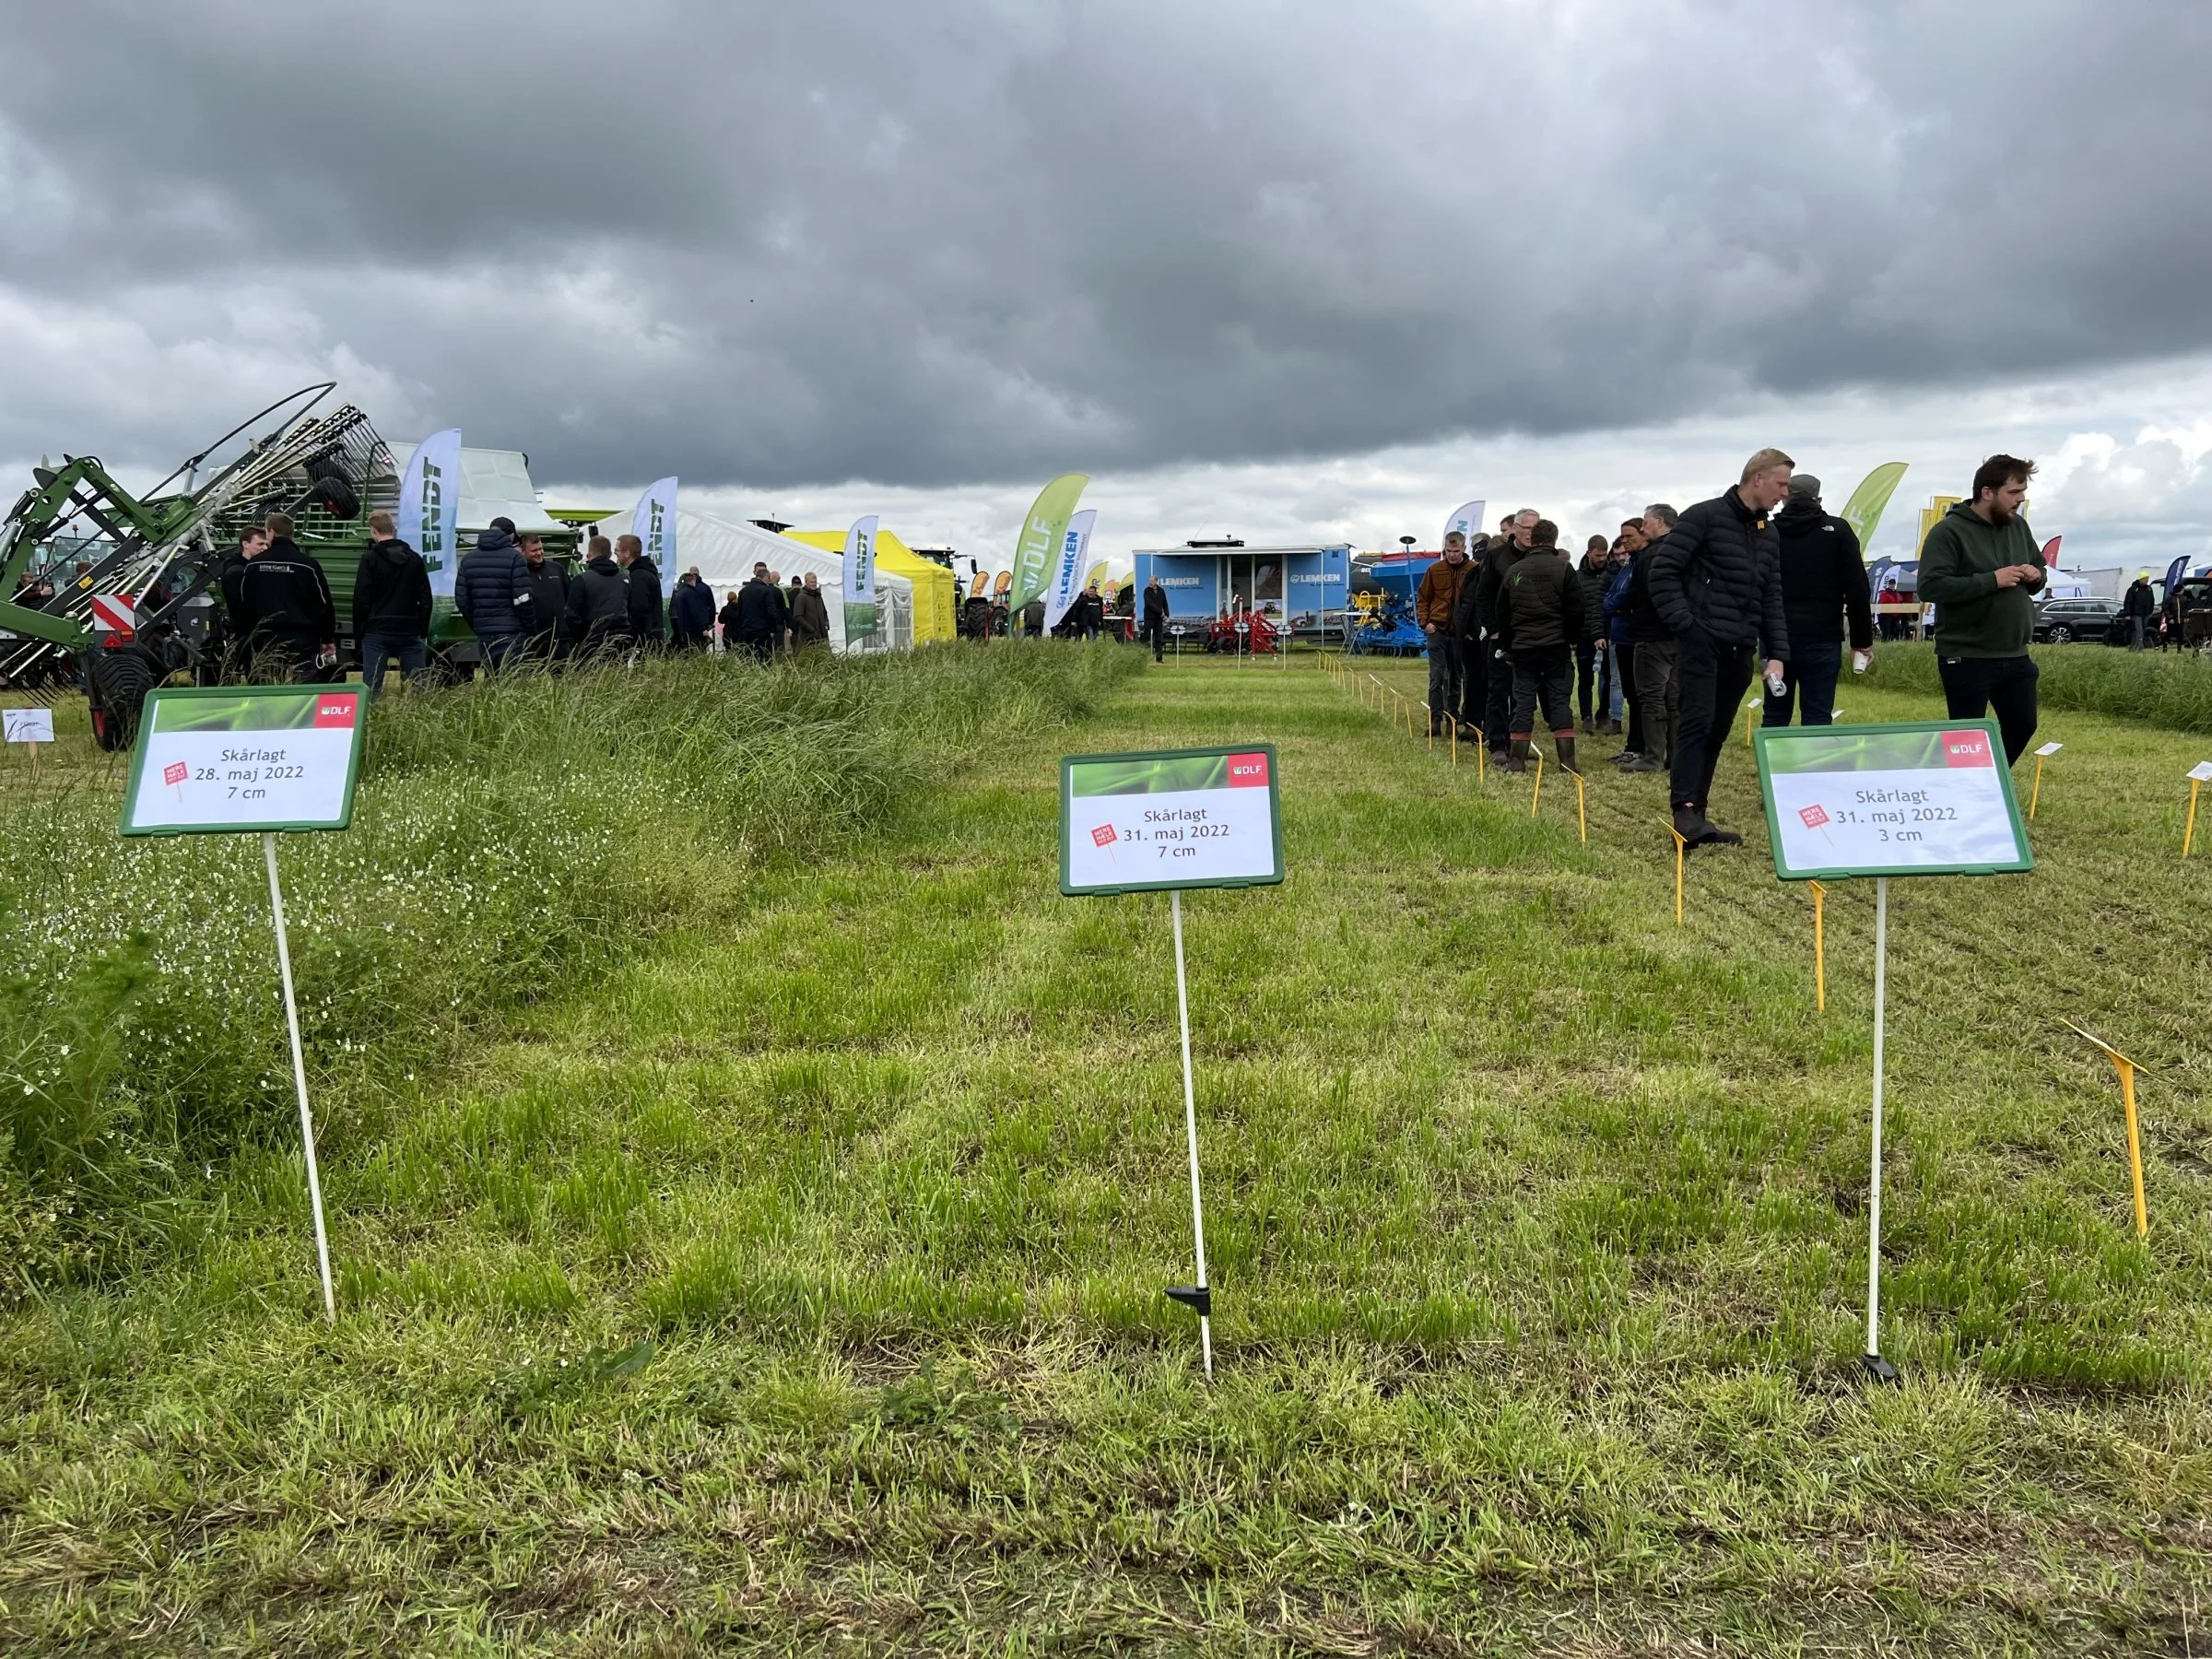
x,y
1090,616
1671,618
281,622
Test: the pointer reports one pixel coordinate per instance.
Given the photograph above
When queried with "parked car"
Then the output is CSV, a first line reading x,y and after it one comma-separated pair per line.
x,y
2061,621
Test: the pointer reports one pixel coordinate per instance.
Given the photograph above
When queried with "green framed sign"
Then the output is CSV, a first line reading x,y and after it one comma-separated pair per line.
x,y
1170,818
235,760
1919,797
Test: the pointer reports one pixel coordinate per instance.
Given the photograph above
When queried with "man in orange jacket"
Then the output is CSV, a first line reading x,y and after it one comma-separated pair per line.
x,y
1433,608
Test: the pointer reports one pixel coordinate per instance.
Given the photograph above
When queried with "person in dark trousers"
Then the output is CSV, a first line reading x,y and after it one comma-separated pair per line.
x,y
728,618
1496,720
1090,612
1540,618
1156,619
1981,568
2138,605
1032,619
390,605
290,621
762,615
1717,584
648,626
1823,592
597,620
1653,649
809,615
1590,663
1435,605
691,613
548,600
1471,627
491,591
1621,643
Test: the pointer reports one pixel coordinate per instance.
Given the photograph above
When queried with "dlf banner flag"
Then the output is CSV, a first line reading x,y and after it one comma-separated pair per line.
x,y
653,522
429,506
1044,532
1864,511
860,580
1468,521
1067,575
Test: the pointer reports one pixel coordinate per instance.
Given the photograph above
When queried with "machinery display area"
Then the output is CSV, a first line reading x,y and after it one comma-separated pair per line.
x,y
1301,590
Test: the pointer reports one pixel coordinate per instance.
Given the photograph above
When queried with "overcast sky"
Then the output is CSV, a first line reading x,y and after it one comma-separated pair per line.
x,y
1293,271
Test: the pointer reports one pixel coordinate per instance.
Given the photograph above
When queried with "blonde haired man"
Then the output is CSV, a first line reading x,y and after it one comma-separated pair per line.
x,y
1716,581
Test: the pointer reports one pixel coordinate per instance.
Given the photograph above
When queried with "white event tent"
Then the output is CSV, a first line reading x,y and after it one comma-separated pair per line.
x,y
724,553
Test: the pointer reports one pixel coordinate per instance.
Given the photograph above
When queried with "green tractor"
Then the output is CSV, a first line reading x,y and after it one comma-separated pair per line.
x,y
78,553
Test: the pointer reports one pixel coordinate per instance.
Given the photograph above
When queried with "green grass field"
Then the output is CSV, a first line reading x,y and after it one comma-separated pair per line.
x,y
771,1260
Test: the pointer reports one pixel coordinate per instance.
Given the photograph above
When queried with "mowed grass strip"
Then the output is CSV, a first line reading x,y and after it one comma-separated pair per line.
x,y
797,1284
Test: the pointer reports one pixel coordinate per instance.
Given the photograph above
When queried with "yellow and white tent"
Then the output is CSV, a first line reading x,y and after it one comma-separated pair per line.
x,y
932,582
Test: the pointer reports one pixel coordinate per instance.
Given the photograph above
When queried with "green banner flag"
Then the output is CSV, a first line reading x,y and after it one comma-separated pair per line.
x,y
1864,511
1041,536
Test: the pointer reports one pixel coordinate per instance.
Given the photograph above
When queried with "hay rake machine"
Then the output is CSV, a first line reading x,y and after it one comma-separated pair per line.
x,y
133,607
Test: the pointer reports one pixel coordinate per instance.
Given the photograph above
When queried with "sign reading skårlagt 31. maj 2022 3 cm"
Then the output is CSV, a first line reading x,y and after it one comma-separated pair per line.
x,y
1171,820
1916,798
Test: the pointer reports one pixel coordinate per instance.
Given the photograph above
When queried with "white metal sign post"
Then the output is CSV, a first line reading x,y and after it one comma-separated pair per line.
x,y
1169,820
239,759
1916,799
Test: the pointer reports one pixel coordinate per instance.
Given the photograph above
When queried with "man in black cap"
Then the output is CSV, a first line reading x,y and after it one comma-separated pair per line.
x,y
1823,591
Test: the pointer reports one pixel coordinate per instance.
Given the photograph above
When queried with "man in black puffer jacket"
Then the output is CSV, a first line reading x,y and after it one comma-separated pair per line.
x,y
1823,590
390,605
1497,690
648,614
1717,584
491,591
597,619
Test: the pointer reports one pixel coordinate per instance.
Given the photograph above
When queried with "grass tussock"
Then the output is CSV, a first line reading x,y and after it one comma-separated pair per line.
x,y
2172,689
510,837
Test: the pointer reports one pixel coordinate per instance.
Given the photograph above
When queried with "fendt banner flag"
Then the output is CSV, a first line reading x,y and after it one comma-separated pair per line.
x,y
1174,818
859,577
653,522
1043,535
224,759
1916,798
429,507
1067,576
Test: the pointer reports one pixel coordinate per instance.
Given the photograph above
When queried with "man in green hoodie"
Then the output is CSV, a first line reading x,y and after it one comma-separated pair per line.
x,y
1981,568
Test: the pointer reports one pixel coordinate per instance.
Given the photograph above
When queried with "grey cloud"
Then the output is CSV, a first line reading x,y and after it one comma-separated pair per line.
x,y
928,245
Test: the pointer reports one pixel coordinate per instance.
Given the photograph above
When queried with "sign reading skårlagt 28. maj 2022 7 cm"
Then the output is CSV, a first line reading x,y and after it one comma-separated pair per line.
x,y
241,759
1171,820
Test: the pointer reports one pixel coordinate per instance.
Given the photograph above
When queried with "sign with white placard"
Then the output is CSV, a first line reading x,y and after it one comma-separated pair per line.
x,y
226,760
2048,750
2201,772
1174,818
27,725
1914,798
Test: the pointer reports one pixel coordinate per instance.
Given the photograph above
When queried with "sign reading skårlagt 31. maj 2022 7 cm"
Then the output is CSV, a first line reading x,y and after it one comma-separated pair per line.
x,y
1164,821
1169,820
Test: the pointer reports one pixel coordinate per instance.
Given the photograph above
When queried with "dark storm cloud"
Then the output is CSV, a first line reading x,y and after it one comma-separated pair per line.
x,y
941,243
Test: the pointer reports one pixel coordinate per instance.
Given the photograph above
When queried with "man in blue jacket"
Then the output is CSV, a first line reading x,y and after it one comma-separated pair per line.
x,y
1717,584
491,591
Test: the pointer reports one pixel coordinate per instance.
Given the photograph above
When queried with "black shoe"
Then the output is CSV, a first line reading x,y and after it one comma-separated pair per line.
x,y
1641,763
1719,837
1693,826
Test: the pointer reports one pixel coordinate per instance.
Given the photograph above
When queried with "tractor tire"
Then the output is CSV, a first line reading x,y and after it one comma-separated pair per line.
x,y
335,493
117,683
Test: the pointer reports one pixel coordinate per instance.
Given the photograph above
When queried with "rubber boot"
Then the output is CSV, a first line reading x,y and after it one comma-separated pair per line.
x,y
1716,835
1516,758
1566,747
1692,826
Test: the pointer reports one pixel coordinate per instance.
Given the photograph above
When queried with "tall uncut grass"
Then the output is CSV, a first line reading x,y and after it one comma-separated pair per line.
x,y
2164,689
508,837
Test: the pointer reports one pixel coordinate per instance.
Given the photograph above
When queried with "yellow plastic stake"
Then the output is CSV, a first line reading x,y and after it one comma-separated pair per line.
x,y
1581,808
2035,793
1431,714
1681,854
1536,793
1751,710
1455,745
2127,1069
1820,949
1482,761
2189,834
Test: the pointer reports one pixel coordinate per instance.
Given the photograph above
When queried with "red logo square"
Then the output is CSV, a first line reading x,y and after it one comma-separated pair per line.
x,y
338,711
176,772
1102,835
1814,816
1248,771
1967,748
